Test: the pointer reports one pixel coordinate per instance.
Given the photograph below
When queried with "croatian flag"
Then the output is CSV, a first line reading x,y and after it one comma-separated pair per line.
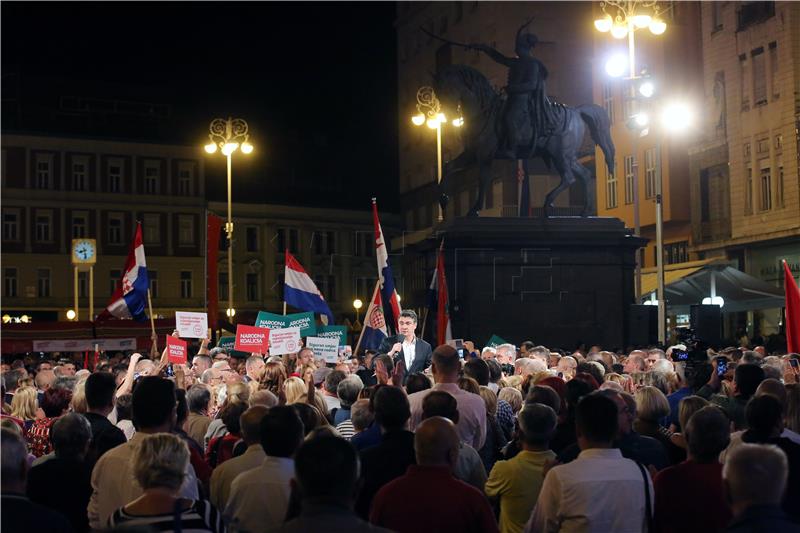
x,y
391,302
374,330
300,292
130,297
438,301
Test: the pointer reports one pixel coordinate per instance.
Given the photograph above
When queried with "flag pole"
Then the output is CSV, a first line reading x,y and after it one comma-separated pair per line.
x,y
153,336
366,318
424,322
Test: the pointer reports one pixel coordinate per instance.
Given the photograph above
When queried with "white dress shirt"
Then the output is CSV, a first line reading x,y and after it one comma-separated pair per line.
x,y
598,492
225,473
259,498
409,352
113,484
471,425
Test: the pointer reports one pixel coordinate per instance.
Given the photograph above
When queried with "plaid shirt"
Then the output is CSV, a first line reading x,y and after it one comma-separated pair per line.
x,y
505,417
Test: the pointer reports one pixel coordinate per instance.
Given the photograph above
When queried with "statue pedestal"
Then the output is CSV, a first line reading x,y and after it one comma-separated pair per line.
x,y
560,282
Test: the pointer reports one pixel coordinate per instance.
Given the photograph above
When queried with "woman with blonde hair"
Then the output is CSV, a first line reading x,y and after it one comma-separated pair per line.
x,y
295,390
686,408
78,403
235,393
652,409
24,405
512,396
159,465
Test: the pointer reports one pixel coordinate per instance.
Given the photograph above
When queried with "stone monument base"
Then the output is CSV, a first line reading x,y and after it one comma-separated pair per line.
x,y
560,282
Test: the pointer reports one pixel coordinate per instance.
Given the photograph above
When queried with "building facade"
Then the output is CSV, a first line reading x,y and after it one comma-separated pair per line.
x,y
58,188
565,49
672,62
745,181
335,246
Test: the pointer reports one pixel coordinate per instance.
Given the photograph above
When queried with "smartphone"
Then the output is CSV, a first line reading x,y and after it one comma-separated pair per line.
x,y
679,355
561,375
170,371
794,363
460,352
722,366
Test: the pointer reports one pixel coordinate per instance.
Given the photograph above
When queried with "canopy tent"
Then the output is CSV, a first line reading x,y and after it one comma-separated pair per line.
x,y
688,283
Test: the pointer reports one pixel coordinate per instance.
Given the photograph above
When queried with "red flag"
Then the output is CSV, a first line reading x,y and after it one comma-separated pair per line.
x,y
443,332
792,310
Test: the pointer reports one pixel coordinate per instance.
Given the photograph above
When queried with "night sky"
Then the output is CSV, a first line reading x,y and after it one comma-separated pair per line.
x,y
315,81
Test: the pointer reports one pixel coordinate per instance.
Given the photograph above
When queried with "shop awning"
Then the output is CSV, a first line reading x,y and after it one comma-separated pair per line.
x,y
688,283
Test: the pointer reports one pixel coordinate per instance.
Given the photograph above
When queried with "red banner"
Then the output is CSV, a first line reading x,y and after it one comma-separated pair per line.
x,y
792,311
214,227
251,339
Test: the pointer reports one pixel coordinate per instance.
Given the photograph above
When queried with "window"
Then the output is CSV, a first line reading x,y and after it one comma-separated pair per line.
x,y
762,146
746,150
779,199
151,228
223,285
765,181
79,225
611,190
115,228
324,242
186,284
253,292
365,243
288,238
152,277
650,173
10,282
44,226
44,171
751,13
251,238
759,77
778,144
10,225
748,190
43,283
185,182
705,199
83,284
79,176
114,178
608,101
185,230
775,83
716,16
151,175
630,176
113,278
675,252
744,81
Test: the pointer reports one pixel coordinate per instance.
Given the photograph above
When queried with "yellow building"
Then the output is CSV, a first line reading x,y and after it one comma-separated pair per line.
x,y
673,63
55,189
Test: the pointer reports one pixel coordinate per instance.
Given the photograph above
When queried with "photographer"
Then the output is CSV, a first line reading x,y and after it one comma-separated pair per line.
x,y
746,380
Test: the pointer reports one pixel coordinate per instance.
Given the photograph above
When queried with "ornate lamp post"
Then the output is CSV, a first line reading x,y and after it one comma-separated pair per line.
x,y
229,135
429,112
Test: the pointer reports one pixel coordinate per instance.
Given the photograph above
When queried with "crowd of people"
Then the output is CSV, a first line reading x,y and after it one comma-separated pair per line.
x,y
503,438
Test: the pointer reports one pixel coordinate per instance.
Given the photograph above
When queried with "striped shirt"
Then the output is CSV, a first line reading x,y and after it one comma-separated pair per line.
x,y
346,429
201,517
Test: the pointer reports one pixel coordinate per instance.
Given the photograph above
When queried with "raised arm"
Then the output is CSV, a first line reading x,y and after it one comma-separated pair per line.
x,y
494,54
127,384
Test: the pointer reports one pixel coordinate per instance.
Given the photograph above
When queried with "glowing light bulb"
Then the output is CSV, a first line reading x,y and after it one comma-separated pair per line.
x,y
247,148
229,148
418,120
619,31
210,148
658,26
604,24
616,65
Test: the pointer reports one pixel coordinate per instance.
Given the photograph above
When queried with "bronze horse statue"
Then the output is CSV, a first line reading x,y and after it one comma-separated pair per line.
x,y
484,138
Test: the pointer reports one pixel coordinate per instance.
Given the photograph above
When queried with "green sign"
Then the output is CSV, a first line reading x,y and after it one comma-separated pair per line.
x,y
228,343
495,341
338,332
304,321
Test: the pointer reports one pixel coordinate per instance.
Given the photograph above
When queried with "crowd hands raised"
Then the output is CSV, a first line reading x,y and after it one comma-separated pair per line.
x,y
500,439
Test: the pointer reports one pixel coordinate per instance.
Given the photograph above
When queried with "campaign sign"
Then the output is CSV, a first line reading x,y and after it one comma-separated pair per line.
x,y
252,339
495,341
191,325
226,342
333,332
176,350
324,348
285,340
304,321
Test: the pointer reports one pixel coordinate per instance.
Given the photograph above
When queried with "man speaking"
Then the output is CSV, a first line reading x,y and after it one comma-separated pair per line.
x,y
414,352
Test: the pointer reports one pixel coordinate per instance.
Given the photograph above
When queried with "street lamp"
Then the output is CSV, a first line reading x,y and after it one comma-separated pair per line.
x,y
357,304
429,112
229,135
628,17
71,314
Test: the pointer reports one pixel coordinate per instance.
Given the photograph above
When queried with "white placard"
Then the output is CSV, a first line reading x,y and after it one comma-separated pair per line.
x,y
324,348
191,325
286,340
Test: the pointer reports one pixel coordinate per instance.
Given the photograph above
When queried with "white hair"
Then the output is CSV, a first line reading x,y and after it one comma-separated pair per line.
x,y
506,349
663,365
756,473
526,366
489,349
599,366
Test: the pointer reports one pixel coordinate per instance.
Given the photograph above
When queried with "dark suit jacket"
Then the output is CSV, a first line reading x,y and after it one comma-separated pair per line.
x,y
382,463
422,356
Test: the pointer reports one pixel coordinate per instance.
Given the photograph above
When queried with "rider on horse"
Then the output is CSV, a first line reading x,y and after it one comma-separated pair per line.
x,y
529,115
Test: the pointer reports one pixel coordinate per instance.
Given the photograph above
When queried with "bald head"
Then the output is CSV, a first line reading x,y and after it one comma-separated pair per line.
x,y
446,364
436,443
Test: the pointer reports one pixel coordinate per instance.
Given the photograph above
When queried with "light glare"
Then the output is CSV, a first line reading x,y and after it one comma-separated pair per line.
x,y
658,26
616,65
229,148
647,89
619,31
418,120
71,314
677,117
211,148
247,148
604,24
642,21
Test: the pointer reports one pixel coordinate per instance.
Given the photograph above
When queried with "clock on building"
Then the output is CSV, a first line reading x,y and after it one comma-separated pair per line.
x,y
84,251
